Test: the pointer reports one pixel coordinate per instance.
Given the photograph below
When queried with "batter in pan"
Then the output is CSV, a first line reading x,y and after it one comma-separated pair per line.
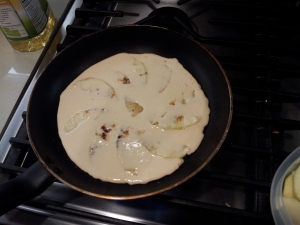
x,y
132,118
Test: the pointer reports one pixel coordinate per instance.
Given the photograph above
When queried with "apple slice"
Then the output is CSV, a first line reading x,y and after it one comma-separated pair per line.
x,y
76,119
180,122
140,69
99,138
288,189
131,151
134,107
165,77
297,183
81,116
292,206
96,86
165,154
131,154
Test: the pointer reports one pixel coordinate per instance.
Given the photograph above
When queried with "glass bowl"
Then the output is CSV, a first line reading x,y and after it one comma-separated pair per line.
x,y
279,211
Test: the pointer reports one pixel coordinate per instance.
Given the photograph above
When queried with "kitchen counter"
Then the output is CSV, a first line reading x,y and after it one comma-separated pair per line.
x,y
15,67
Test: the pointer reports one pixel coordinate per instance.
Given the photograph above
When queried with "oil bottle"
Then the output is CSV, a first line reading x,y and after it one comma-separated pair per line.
x,y
26,24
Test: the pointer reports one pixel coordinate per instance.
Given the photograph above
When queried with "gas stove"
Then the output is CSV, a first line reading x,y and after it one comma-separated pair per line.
x,y
257,43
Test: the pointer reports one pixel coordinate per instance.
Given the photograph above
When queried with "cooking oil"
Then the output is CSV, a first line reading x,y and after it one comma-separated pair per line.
x,y
37,42
27,24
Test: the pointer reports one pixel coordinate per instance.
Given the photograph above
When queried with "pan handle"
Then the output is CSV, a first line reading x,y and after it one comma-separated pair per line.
x,y
28,185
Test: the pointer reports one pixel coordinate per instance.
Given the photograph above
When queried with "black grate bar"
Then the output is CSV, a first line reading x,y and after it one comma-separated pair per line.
x,y
287,73
236,6
277,50
64,212
287,97
24,115
12,168
247,150
278,124
252,118
231,42
277,97
61,47
145,20
81,30
290,51
234,180
18,141
289,30
235,24
285,124
259,118
85,13
221,41
243,67
292,5
251,92
216,208
181,2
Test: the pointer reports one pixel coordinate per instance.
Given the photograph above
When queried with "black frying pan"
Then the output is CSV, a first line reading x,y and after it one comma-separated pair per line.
x,y
73,60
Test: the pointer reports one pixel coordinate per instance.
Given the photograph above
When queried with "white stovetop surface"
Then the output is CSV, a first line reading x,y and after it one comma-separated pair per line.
x,y
15,67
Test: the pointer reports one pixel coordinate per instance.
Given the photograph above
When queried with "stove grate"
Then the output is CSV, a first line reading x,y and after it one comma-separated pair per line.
x,y
257,43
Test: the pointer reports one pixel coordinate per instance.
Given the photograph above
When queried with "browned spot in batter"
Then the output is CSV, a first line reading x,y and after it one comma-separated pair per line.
x,y
179,118
124,134
104,136
105,129
173,102
143,74
126,80
163,114
140,132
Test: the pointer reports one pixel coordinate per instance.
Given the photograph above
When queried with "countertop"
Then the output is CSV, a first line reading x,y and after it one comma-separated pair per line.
x,y
15,67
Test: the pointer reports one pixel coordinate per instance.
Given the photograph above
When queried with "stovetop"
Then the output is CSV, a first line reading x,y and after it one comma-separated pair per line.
x,y
257,43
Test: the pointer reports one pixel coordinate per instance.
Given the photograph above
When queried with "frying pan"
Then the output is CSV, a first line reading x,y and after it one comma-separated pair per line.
x,y
70,63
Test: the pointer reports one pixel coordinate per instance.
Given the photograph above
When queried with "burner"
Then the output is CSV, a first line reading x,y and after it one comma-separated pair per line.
x,y
168,17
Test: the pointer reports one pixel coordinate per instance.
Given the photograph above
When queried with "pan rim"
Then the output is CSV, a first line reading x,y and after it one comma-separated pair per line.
x,y
150,193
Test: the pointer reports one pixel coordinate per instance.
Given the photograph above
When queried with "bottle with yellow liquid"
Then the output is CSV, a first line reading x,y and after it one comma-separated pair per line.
x,y
26,24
